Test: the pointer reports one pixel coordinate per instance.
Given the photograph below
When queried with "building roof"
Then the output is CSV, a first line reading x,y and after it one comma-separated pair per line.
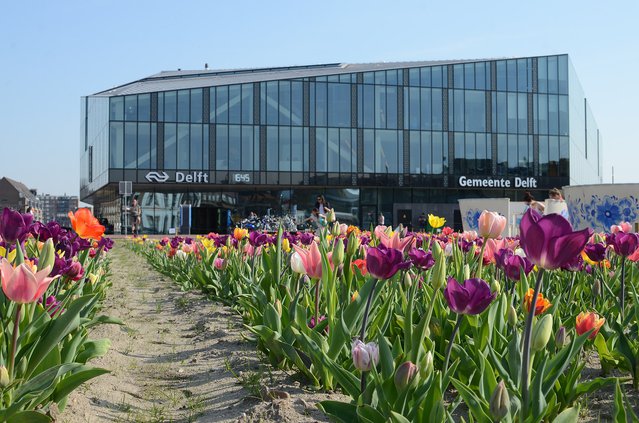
x,y
185,79
22,188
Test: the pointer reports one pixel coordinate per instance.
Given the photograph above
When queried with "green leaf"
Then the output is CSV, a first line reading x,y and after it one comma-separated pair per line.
x,y
477,406
620,410
398,418
92,349
368,414
341,412
28,417
569,415
104,320
61,327
385,357
71,382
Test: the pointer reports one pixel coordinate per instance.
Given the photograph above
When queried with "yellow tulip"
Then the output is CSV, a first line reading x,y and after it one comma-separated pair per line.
x,y
436,221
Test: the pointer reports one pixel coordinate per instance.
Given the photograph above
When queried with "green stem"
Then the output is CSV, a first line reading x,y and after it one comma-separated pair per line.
x,y
481,259
317,300
622,292
526,352
14,340
362,333
449,348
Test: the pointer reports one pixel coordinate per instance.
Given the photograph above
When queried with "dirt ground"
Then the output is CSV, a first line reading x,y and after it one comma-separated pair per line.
x,y
181,358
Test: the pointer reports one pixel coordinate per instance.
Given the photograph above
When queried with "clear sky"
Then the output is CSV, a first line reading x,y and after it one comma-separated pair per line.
x,y
54,52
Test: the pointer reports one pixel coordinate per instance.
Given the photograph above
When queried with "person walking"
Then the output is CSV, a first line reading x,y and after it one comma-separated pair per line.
x,y
136,217
532,203
322,205
557,204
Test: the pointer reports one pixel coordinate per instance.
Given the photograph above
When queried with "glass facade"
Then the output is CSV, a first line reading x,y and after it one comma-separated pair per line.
x,y
416,129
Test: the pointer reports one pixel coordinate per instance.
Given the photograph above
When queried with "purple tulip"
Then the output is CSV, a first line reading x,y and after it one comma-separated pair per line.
x,y
421,259
514,264
625,244
257,239
306,238
595,252
471,297
383,263
574,265
14,226
549,241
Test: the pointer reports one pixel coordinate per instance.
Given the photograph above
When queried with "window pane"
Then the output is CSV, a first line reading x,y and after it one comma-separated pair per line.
x,y
221,147
320,104
297,103
458,76
339,99
563,74
131,107
116,145
563,115
117,108
235,103
413,77
222,105
386,143
413,108
543,155
170,145
183,146
522,75
469,76
512,112
247,104
511,70
542,113
391,107
501,75
345,151
320,150
470,155
552,75
369,151
247,148
425,76
144,107
436,109
553,114
144,145
415,152
440,151
235,140
154,146
333,150
196,147
502,154
285,103
475,111
297,150
437,78
480,76
458,113
427,157
513,157
170,106
196,106
184,112
380,106
130,145
369,106
522,113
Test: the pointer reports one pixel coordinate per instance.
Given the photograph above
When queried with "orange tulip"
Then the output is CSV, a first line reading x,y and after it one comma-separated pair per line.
x,y
587,321
240,233
542,303
361,265
85,225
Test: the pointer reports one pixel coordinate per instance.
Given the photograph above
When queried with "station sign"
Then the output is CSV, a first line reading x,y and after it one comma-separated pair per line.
x,y
479,182
195,177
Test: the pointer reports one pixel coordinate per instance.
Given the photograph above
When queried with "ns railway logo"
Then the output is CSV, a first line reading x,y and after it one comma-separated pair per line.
x,y
180,177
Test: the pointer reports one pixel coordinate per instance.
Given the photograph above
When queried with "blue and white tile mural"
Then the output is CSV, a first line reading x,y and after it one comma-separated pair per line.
x,y
601,211
472,219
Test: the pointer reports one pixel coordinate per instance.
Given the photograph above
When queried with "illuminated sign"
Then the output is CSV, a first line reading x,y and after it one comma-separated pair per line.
x,y
516,182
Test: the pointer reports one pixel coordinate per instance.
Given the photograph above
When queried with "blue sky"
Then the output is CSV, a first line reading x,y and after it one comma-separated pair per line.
x,y
55,52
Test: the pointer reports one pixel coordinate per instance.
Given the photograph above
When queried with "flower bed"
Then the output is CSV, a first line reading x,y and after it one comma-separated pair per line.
x,y
411,325
53,283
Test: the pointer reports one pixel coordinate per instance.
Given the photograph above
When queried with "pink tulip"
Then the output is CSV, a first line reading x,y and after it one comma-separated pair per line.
x,y
23,284
491,224
625,227
219,263
492,247
393,242
311,259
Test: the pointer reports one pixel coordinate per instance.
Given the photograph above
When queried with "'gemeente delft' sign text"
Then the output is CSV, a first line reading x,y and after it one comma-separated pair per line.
x,y
180,177
516,182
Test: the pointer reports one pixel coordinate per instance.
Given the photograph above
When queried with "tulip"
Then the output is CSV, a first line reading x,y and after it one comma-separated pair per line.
x,y
421,259
542,304
393,241
595,252
541,333
5,380
426,366
240,233
74,271
219,263
361,265
47,255
511,315
311,260
404,375
330,215
435,221
23,284
499,402
338,253
14,226
383,263
560,338
297,265
365,356
471,297
588,321
491,224
85,224
408,280
439,271
549,241
624,244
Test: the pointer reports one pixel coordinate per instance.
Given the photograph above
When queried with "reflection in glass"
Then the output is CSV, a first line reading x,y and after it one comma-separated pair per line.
x,y
184,103
170,145
196,106
183,146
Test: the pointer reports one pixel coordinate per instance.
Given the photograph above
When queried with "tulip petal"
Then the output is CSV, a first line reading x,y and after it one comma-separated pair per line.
x,y
564,248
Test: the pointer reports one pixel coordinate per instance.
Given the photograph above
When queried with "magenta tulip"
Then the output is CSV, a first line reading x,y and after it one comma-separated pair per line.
x,y
383,262
549,241
471,297
625,244
421,259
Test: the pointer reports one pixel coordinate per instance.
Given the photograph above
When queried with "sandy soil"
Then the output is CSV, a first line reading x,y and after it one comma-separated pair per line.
x,y
181,358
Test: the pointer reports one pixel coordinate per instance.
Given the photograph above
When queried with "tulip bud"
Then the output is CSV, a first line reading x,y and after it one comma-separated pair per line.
x,y
495,287
499,402
278,307
439,270
330,215
365,356
408,281
340,270
297,264
306,280
404,375
354,296
353,244
426,366
338,252
541,333
512,316
596,288
560,339
466,271
4,377
47,255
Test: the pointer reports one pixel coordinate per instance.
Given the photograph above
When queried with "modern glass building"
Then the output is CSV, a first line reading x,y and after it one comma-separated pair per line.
x,y
392,138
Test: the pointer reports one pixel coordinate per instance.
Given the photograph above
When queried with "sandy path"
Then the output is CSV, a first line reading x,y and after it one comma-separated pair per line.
x,y
180,358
